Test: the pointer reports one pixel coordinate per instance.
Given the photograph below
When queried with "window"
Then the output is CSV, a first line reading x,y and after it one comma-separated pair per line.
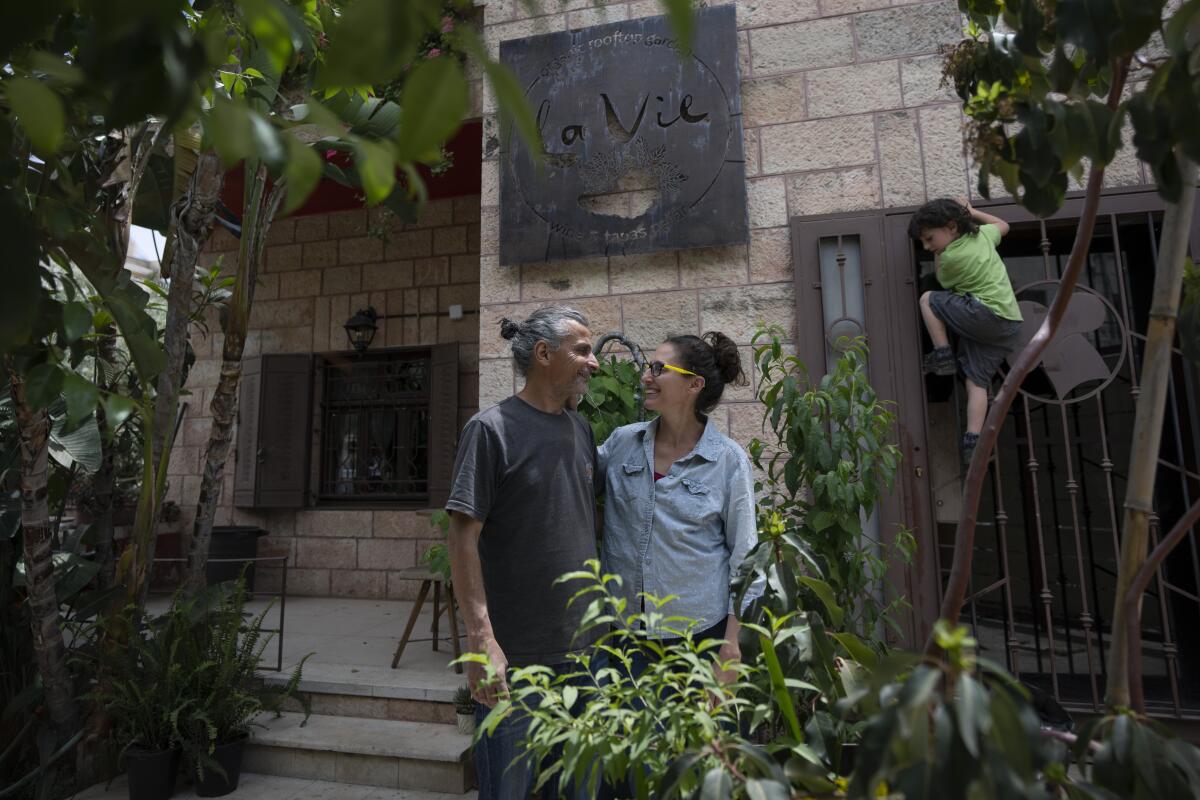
x,y
375,428
385,434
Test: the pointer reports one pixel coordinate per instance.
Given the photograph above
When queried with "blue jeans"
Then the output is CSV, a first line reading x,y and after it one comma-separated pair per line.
x,y
503,774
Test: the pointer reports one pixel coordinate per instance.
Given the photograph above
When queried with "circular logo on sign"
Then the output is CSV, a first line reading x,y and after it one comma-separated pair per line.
x,y
1073,363
633,137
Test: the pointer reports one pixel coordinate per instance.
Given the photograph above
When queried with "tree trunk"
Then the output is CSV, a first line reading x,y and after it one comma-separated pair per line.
x,y
192,220
49,649
255,224
105,478
1147,425
1027,360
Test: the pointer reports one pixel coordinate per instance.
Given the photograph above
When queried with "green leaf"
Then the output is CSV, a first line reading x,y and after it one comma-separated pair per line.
x,y
266,141
717,785
82,396
510,97
40,110
779,690
302,173
376,167
229,128
270,32
80,446
970,707
825,593
767,790
1137,20
77,321
435,101
42,385
371,42
117,408
1183,21
857,649
683,22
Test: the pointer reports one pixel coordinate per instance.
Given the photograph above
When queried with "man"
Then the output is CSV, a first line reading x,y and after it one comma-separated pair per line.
x,y
522,513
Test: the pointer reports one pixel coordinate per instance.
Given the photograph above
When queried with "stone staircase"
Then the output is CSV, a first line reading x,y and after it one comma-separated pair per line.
x,y
370,726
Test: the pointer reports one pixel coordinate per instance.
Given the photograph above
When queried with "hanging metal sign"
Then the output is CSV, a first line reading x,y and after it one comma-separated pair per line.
x,y
642,146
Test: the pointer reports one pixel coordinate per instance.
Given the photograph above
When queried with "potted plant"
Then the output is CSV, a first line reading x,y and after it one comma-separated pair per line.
x,y
226,695
464,710
141,684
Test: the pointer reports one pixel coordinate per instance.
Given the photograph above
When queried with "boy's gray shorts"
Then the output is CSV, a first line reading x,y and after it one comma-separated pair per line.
x,y
984,339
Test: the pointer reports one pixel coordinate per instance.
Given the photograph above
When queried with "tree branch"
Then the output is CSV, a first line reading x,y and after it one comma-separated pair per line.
x,y
1027,360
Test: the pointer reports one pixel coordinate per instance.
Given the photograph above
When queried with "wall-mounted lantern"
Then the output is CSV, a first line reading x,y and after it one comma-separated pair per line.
x,y
361,328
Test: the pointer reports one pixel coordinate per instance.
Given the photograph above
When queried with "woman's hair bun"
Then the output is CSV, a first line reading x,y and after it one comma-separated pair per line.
x,y
508,328
727,356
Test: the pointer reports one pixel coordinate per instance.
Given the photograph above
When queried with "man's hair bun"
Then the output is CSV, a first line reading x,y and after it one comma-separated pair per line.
x,y
508,328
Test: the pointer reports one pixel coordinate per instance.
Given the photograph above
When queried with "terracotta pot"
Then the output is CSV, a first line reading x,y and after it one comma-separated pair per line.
x,y
151,773
229,756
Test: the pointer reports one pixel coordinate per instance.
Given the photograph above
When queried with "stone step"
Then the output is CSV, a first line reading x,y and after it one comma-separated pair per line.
x,y
373,752
375,692
253,786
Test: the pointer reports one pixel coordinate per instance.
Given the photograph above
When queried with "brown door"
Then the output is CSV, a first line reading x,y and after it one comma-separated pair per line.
x,y
843,289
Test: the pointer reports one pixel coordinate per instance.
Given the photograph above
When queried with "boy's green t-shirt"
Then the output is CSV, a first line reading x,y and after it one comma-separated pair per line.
x,y
971,265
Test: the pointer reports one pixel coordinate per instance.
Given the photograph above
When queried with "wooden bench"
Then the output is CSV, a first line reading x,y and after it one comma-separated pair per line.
x,y
429,579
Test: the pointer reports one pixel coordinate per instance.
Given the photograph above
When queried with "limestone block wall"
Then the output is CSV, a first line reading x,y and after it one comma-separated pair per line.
x,y
843,111
318,271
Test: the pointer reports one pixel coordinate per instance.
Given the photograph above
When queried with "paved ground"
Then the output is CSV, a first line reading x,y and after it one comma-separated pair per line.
x,y
267,787
354,636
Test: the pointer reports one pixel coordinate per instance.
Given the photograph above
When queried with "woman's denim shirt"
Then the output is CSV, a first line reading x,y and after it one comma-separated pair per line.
x,y
685,534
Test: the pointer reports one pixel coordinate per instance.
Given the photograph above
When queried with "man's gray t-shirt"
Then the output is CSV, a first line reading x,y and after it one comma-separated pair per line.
x,y
527,475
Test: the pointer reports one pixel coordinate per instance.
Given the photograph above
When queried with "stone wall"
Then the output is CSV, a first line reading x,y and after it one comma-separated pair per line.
x,y
843,111
319,270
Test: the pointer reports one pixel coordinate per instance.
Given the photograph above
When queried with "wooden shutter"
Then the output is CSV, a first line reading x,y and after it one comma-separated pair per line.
x,y
246,456
285,423
443,421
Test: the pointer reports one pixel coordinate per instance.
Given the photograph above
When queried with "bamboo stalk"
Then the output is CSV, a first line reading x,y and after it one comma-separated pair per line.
x,y
1133,628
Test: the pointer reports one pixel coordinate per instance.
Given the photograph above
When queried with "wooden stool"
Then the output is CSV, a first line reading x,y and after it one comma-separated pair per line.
x,y
427,579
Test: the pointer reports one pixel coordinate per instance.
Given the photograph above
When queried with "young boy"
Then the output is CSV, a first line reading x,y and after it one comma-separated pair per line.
x,y
979,305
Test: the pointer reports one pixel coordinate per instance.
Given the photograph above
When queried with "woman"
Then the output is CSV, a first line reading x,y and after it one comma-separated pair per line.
x,y
679,513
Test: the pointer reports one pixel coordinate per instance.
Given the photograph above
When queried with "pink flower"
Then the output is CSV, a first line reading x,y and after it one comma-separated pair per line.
x,y
330,154
447,24
433,53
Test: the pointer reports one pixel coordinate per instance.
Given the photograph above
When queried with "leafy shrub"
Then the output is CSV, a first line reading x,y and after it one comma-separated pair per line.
x,y
617,728
613,397
826,465
437,557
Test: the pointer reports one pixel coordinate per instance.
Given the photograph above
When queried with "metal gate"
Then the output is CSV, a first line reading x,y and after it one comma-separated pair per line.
x,y
1047,543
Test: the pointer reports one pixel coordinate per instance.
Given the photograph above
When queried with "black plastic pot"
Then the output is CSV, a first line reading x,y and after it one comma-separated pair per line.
x,y
849,754
151,773
232,542
229,756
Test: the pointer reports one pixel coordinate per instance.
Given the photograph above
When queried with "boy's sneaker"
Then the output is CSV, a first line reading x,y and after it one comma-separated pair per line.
x,y
940,362
969,441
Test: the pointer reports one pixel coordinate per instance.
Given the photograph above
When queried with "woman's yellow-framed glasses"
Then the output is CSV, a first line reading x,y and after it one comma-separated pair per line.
x,y
656,368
